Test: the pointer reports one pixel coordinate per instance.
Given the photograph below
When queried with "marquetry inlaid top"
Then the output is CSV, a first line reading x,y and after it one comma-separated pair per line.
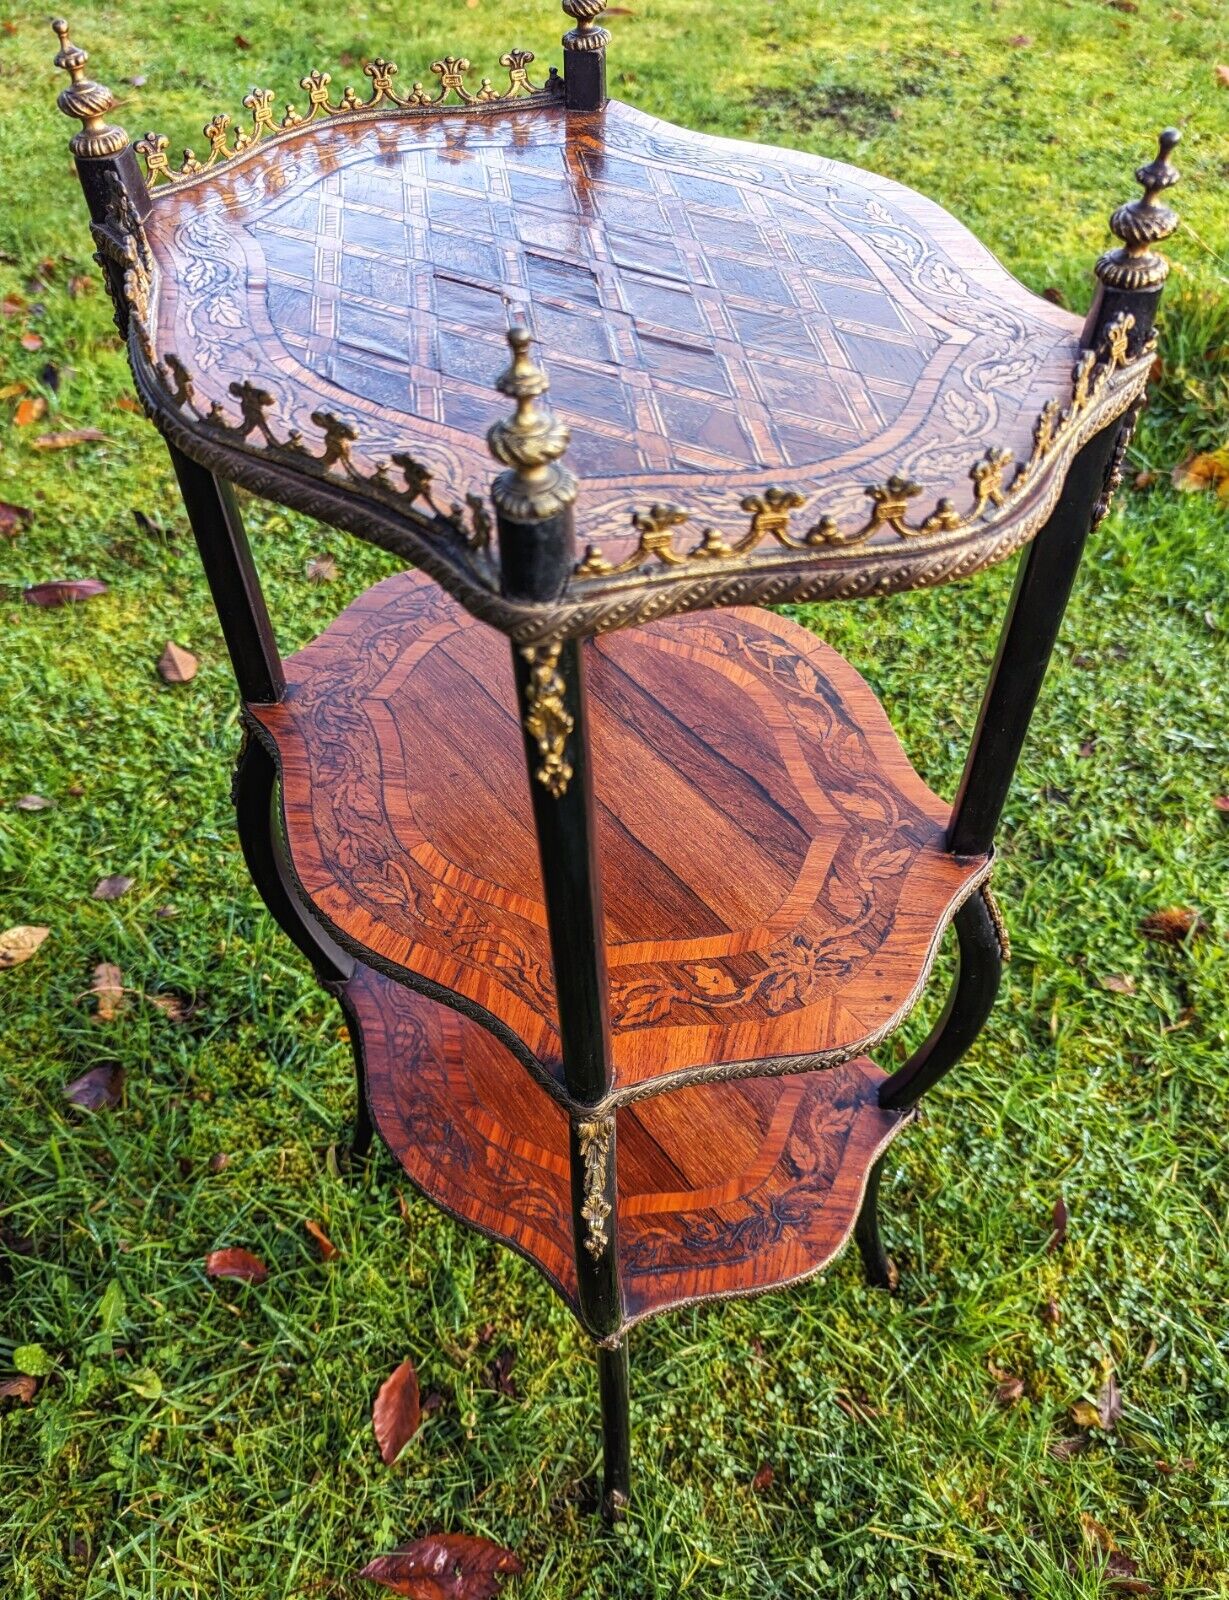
x,y
721,322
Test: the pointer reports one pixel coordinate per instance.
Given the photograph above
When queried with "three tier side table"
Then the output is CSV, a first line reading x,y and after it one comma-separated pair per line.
x,y
617,876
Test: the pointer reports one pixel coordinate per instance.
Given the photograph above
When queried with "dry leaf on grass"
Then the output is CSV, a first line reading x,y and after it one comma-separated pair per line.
x,y
96,1090
396,1413
63,591
1105,1413
29,410
13,519
112,888
1118,983
1222,76
1010,1392
1203,471
1058,1222
177,665
69,438
444,1566
19,944
107,987
236,1263
763,1479
328,1250
175,1007
22,1388
1172,925
34,802
32,342
322,569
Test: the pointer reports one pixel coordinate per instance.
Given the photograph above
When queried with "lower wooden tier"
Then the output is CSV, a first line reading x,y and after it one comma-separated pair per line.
x,y
724,1189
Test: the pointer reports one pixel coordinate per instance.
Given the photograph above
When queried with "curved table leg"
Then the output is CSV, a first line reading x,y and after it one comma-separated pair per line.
x,y
253,790
969,1003
877,1264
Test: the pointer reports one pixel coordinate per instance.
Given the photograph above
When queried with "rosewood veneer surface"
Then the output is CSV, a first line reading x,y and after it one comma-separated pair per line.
x,y
724,1189
774,871
718,318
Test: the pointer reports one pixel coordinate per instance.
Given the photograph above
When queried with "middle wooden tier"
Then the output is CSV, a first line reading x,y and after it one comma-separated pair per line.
x,y
774,871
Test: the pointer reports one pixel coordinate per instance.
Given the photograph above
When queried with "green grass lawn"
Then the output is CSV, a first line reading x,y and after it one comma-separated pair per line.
x,y
197,1441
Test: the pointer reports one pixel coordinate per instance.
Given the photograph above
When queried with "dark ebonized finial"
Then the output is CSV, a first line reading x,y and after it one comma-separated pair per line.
x,y
1140,224
86,100
530,442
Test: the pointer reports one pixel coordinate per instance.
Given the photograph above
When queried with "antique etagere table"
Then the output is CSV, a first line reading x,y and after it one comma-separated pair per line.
x,y
615,914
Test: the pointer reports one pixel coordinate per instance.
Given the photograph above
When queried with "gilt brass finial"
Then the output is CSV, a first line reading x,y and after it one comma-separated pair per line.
x,y
86,100
1142,223
530,442
587,34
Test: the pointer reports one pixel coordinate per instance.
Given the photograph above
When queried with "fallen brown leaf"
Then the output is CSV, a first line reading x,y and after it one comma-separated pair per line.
x,y
97,1089
1109,1404
66,440
127,403
219,1162
177,665
19,944
1118,983
1058,1236
241,43
34,802
396,1413
444,1566
107,987
1222,76
1143,480
63,591
22,1388
112,888
1064,1449
1051,1313
1204,471
10,391
29,410
1021,41
80,284
328,1250
235,1263
1172,925
1123,1574
322,569
31,342
1010,1392
13,519
11,305
763,1479
175,1007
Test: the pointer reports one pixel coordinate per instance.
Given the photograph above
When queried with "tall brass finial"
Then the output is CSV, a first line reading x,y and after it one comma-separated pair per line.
x,y
1142,223
587,34
86,100
530,442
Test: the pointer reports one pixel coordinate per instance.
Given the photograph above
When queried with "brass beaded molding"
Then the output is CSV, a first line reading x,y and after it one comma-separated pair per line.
x,y
451,89
995,487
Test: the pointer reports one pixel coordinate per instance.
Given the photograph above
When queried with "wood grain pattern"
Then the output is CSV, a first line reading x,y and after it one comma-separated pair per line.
x,y
718,317
724,1189
774,871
